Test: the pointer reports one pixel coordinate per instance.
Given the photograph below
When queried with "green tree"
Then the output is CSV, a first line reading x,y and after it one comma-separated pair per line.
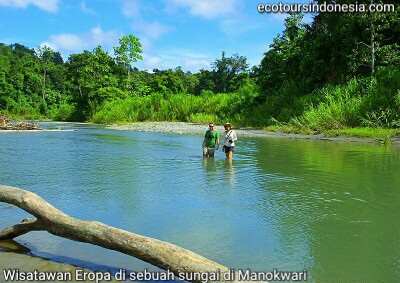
x,y
168,81
225,69
45,54
206,80
283,61
191,82
87,73
128,51
340,46
378,44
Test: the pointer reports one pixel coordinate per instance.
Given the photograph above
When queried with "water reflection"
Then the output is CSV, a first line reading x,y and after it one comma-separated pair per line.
x,y
339,207
226,174
209,164
229,171
13,246
286,204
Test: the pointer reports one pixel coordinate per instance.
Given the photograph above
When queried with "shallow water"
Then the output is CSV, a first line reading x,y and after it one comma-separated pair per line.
x,y
330,208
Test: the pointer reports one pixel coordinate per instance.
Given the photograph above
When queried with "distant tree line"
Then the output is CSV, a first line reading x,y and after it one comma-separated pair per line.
x,y
343,69
34,82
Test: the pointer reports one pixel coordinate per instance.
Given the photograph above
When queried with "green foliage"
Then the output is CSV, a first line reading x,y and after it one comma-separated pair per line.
x,y
179,107
333,49
226,69
23,108
384,135
99,96
167,82
117,110
338,110
281,62
370,102
128,51
397,99
201,118
206,81
91,76
64,112
386,118
316,77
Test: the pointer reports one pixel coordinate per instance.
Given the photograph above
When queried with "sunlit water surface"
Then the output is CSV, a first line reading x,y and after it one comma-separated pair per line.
x,y
329,208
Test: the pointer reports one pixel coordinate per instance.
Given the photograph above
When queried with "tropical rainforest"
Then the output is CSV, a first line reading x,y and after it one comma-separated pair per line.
x,y
341,70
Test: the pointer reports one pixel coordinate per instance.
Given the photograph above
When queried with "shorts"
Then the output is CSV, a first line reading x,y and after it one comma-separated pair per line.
x,y
208,151
229,148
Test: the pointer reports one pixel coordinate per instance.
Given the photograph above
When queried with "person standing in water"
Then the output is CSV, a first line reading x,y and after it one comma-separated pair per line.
x,y
210,141
229,141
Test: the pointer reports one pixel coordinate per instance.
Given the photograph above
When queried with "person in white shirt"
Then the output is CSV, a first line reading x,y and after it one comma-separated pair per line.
x,y
229,141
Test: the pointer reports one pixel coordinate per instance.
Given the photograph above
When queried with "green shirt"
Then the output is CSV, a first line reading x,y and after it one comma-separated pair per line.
x,y
211,138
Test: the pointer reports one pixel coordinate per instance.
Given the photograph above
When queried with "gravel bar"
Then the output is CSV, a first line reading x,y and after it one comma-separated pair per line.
x,y
200,129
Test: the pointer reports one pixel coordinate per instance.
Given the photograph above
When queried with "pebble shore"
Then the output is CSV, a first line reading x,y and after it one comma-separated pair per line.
x,y
188,128
200,129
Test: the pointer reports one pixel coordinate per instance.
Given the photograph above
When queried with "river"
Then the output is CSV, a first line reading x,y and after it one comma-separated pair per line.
x,y
292,205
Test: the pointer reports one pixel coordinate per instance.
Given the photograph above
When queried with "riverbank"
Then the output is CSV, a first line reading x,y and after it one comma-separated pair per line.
x,y
199,129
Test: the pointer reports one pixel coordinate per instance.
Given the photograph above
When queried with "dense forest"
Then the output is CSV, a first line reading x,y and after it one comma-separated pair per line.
x,y
341,70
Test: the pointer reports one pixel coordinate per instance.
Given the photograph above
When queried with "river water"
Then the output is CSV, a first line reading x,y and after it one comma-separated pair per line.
x,y
330,208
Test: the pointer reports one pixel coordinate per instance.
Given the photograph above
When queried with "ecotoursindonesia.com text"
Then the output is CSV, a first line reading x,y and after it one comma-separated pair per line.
x,y
325,8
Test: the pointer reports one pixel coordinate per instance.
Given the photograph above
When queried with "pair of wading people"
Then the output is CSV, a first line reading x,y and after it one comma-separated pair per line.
x,y
211,141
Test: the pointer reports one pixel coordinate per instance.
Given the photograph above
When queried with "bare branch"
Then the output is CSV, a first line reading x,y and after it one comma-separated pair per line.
x,y
26,226
161,254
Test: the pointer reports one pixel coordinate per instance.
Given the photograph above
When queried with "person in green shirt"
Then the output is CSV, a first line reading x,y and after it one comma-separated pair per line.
x,y
210,141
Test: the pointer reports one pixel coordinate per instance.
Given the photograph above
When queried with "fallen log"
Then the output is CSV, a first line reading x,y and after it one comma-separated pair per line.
x,y
6,125
19,127
162,254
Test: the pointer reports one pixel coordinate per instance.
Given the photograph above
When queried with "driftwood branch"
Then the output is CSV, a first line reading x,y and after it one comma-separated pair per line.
x,y
26,226
159,253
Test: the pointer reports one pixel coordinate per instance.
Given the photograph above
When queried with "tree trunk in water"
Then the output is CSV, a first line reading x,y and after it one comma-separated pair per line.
x,y
161,254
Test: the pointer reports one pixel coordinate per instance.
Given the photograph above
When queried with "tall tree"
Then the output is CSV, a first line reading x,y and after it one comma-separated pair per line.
x,y
283,61
378,45
345,45
128,51
206,81
88,73
45,54
226,68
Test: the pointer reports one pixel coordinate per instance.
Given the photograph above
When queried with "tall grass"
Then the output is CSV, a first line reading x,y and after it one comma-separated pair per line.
x,y
177,107
368,102
341,107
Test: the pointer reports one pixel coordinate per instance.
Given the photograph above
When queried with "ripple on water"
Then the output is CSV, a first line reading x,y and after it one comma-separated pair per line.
x,y
279,204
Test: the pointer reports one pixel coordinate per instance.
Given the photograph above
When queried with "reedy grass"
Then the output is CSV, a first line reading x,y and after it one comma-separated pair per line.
x,y
179,107
383,135
341,107
363,132
368,105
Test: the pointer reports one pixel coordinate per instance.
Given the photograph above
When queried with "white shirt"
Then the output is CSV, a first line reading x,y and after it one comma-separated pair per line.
x,y
231,135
